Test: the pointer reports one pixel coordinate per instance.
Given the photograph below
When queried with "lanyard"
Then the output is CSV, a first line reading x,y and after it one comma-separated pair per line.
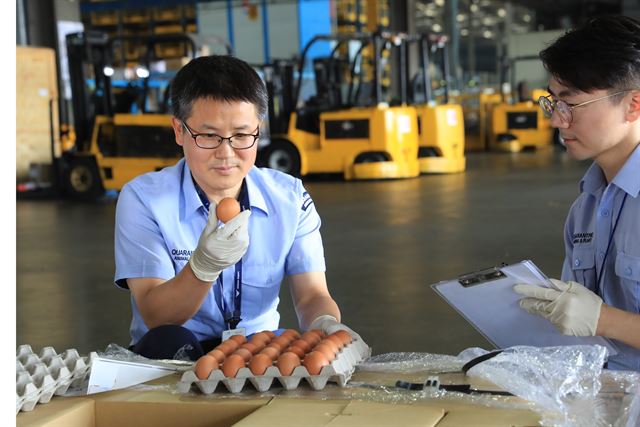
x,y
606,252
232,314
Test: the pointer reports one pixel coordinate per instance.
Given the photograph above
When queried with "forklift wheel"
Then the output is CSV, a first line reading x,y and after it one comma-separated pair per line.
x,y
82,178
283,156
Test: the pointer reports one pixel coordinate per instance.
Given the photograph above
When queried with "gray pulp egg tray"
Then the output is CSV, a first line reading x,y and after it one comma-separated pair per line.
x,y
339,371
40,377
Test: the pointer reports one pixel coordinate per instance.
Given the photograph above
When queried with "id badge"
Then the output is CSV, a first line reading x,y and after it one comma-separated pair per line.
x,y
231,332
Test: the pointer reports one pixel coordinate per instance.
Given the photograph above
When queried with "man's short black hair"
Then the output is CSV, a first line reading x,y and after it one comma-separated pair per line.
x,y
218,77
603,54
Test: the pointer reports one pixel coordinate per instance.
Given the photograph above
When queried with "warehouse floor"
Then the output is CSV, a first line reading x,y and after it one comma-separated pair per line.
x,y
385,243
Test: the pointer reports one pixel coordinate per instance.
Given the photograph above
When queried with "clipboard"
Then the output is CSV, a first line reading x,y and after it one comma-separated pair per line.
x,y
486,299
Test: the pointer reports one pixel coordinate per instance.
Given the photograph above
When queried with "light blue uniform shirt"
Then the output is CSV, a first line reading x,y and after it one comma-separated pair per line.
x,y
588,229
159,219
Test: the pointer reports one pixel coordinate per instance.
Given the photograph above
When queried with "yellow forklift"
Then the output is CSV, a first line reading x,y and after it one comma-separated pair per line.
x,y
513,123
346,127
124,129
440,123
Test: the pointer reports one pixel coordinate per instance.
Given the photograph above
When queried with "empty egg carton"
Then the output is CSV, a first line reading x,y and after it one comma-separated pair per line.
x,y
40,377
338,371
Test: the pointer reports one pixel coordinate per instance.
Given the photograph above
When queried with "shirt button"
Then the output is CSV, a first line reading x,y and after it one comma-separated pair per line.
x,y
601,254
628,271
576,262
605,212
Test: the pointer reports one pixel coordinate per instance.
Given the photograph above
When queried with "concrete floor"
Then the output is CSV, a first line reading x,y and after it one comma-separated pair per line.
x,y
385,243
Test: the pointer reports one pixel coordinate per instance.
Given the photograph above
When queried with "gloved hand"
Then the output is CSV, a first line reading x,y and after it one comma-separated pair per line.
x,y
329,324
220,247
573,309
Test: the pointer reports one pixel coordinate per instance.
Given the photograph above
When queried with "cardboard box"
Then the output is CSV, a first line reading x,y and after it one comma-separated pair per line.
x,y
161,406
341,413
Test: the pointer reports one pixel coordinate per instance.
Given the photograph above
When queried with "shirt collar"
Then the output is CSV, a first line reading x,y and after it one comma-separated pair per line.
x,y
193,201
256,196
626,179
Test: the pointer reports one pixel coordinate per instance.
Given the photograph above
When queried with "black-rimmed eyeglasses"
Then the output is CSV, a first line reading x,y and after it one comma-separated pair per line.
x,y
564,109
209,141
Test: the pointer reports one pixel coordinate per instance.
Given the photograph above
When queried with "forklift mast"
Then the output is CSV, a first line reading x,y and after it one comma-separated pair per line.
x,y
86,51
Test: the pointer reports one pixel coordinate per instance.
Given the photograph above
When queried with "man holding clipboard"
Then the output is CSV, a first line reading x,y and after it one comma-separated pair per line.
x,y
595,103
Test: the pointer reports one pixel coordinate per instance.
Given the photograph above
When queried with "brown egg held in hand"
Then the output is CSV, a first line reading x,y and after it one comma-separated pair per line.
x,y
204,366
227,209
314,362
260,363
287,362
232,365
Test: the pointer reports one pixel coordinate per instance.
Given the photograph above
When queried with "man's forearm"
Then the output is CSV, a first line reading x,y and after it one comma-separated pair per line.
x,y
620,325
175,301
317,306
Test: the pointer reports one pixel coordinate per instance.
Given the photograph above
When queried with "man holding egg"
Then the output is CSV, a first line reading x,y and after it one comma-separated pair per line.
x,y
204,245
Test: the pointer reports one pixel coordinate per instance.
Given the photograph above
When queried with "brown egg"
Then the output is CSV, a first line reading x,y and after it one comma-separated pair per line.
x,y
336,340
270,333
246,354
281,341
291,333
251,347
227,209
332,345
218,355
260,338
271,351
344,336
227,347
232,365
314,362
287,362
260,363
204,366
326,349
318,332
297,350
304,345
311,337
240,339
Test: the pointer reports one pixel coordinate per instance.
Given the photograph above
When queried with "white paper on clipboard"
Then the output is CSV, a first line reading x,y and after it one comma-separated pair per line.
x,y
487,301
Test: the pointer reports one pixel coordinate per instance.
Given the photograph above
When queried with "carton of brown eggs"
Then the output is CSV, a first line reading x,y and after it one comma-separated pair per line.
x,y
288,359
40,377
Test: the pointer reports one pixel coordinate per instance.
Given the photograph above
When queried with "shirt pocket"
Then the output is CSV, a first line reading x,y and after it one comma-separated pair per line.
x,y
583,262
628,272
260,290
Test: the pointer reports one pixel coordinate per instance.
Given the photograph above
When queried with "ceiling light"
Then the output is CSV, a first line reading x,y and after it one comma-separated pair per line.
x,y
473,8
437,28
502,13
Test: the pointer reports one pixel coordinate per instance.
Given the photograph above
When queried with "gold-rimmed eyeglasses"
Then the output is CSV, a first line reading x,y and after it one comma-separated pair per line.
x,y
549,105
209,141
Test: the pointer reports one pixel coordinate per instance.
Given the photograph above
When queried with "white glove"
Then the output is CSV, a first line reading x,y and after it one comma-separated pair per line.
x,y
220,247
573,309
329,324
